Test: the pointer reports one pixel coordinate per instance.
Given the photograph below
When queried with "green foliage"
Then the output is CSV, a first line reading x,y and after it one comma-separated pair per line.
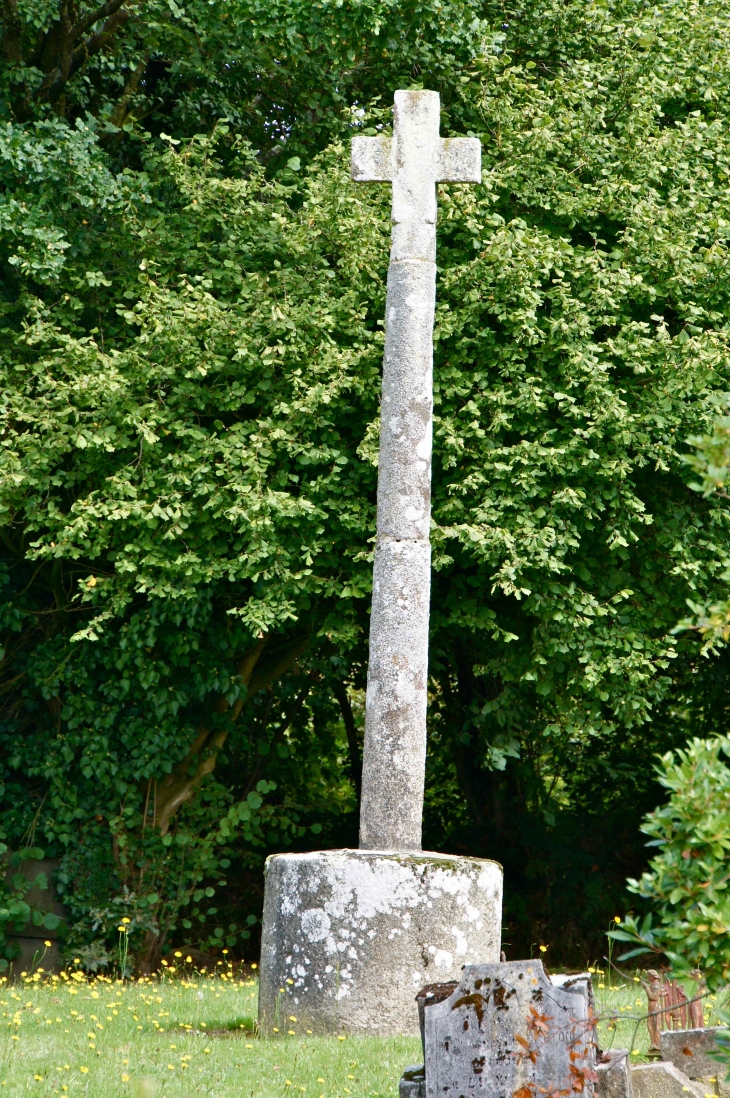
x,y
286,74
686,884
710,463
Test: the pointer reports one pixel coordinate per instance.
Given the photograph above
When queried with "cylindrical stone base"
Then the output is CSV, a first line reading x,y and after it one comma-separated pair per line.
x,y
350,936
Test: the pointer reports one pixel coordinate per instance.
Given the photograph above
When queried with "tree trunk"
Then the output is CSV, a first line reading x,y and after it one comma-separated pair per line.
x,y
255,673
353,743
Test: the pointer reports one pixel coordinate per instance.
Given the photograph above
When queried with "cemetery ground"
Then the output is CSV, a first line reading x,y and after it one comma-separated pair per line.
x,y
194,1035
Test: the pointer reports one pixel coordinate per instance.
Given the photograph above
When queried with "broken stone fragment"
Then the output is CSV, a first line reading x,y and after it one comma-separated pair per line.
x,y
614,1075
663,1080
412,1082
690,1049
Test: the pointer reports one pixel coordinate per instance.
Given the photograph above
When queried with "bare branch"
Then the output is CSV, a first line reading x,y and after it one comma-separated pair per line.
x,y
340,692
63,59
120,109
97,42
93,17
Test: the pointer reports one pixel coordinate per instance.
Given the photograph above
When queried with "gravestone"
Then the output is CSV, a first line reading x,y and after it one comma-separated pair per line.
x,y
507,1031
349,936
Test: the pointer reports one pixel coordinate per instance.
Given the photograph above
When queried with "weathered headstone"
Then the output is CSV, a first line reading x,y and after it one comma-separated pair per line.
x,y
508,1032
349,936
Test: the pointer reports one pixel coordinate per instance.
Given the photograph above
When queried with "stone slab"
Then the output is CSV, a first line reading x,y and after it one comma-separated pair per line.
x,y
689,1050
508,1032
350,936
614,1075
663,1080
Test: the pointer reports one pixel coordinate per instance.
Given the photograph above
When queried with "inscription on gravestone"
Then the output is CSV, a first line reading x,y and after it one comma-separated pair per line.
x,y
508,1032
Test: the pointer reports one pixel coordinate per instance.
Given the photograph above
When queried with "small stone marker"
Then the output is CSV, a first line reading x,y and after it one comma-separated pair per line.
x,y
394,758
508,1032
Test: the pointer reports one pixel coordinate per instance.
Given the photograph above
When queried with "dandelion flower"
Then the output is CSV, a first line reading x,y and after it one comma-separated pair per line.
x,y
125,1078
47,945
84,1070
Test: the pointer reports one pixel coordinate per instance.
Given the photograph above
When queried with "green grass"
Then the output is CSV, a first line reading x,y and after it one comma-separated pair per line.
x,y
175,1038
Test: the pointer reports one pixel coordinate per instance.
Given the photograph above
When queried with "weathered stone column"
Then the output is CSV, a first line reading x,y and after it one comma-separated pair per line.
x,y
394,761
349,936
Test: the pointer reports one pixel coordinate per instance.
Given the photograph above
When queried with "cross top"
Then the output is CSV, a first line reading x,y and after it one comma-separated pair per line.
x,y
414,160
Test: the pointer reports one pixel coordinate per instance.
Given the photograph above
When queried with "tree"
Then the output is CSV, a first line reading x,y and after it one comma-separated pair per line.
x,y
190,438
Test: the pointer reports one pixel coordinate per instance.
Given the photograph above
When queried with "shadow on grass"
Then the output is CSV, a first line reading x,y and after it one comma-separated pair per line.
x,y
241,1026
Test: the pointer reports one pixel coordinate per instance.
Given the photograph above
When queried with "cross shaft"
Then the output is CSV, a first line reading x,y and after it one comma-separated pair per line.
x,y
394,759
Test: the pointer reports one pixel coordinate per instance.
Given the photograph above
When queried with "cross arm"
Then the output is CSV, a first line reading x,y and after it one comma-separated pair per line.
x,y
460,160
371,159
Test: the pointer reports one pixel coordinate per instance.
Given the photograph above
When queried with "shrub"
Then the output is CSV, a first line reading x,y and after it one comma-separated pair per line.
x,y
686,884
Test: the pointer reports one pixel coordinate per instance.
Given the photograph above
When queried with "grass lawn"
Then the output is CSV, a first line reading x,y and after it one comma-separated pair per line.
x,y
174,1038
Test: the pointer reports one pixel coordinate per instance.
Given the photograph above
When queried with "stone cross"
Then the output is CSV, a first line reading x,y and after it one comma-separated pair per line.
x,y
394,760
